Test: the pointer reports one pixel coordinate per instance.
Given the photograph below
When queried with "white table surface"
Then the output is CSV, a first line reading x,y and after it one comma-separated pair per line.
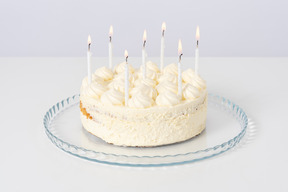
x,y
30,162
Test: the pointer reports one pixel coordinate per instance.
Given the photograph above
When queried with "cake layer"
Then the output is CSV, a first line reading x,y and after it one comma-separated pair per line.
x,y
147,127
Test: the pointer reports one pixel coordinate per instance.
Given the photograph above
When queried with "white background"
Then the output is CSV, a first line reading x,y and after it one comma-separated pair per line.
x,y
30,162
60,27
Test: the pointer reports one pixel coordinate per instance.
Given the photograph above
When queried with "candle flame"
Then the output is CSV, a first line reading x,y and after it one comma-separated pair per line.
x,y
144,35
179,47
111,31
163,26
89,40
197,33
126,54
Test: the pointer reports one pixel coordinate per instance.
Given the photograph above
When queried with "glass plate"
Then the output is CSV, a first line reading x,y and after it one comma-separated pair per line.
x,y
226,125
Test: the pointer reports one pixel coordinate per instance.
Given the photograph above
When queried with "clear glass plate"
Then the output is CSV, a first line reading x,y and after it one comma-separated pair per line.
x,y
226,125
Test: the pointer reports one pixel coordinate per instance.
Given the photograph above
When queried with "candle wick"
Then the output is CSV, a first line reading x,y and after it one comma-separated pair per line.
x,y
180,57
197,43
110,38
127,60
89,46
144,43
163,31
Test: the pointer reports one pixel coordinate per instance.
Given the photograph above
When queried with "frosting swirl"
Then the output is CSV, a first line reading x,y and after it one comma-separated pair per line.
x,y
188,75
167,85
171,68
105,73
168,77
121,68
84,84
151,66
95,79
167,98
199,82
140,100
145,89
146,81
119,85
190,92
149,74
94,90
121,76
112,97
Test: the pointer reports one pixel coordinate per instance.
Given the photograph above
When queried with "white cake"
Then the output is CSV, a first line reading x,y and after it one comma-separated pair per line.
x,y
154,116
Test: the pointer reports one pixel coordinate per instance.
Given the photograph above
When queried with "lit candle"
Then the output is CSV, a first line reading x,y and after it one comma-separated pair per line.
x,y
144,54
162,47
110,46
126,79
179,70
197,51
89,60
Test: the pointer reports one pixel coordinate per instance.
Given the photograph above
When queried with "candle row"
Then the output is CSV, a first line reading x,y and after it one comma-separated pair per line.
x,y
144,49
144,58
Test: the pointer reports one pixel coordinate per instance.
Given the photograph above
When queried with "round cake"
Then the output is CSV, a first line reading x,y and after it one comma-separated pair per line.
x,y
155,113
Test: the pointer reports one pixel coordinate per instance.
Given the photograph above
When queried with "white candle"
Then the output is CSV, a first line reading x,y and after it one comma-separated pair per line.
x,y
197,51
179,70
126,79
162,47
89,60
110,46
144,54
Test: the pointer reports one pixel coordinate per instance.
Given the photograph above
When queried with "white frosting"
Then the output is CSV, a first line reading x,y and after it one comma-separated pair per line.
x,y
189,76
137,73
151,66
105,73
84,84
94,90
167,98
121,68
146,90
167,86
151,71
199,82
96,78
113,85
121,76
140,100
190,92
171,68
146,81
168,77
153,126
150,74
112,97
119,85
